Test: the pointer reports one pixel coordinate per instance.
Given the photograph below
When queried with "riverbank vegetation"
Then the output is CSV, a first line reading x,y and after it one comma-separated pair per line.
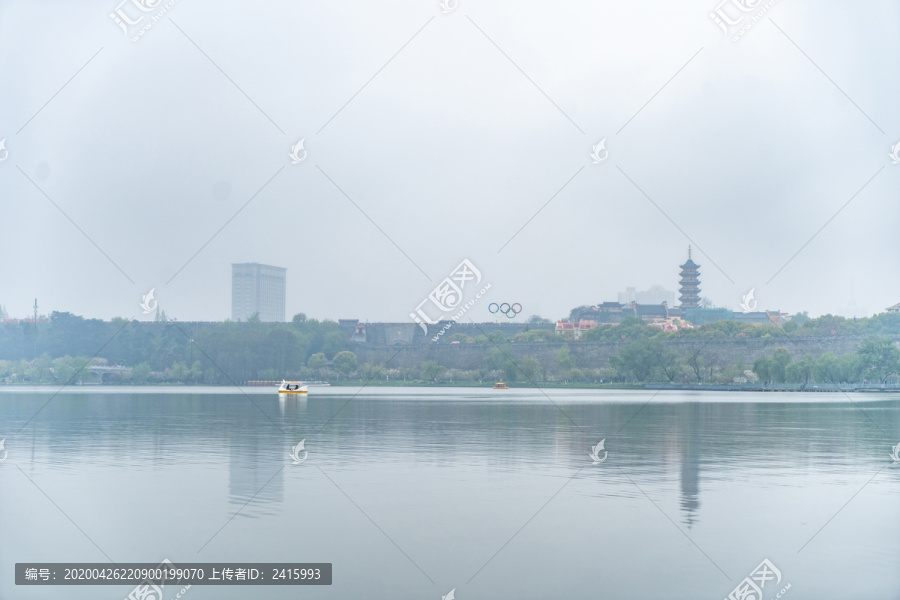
x,y
70,349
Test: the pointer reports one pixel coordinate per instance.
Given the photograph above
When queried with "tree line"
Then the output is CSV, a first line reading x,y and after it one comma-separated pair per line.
x,y
60,349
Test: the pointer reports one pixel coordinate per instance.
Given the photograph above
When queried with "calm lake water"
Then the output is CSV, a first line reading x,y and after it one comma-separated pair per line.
x,y
413,492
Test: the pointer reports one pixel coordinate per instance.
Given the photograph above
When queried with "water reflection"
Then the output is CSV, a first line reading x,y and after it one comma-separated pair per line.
x,y
690,463
451,475
255,474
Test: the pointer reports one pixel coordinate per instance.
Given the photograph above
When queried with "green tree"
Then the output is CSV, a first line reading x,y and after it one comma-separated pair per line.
x,y
537,320
762,366
639,359
538,335
299,319
496,358
669,363
807,368
850,370
496,337
370,371
41,368
317,362
800,318
63,370
629,330
334,341
696,362
801,371
140,373
270,374
344,362
792,373
500,359
780,360
179,371
528,369
879,358
565,361
431,370
828,368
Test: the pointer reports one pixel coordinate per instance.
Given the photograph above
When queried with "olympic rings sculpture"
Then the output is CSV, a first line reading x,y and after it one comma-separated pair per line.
x,y
510,311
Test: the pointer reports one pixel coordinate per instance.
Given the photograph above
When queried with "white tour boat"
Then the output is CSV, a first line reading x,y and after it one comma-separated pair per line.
x,y
292,387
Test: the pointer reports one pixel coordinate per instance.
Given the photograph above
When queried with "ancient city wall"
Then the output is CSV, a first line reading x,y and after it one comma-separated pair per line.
x,y
596,354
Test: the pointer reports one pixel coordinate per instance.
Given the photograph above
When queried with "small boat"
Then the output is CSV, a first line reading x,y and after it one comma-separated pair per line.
x,y
500,386
292,387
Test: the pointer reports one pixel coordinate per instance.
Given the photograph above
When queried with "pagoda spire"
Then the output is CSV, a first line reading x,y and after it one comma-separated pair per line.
x,y
690,283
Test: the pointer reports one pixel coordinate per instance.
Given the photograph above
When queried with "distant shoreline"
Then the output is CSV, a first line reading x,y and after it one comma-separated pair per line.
x,y
855,388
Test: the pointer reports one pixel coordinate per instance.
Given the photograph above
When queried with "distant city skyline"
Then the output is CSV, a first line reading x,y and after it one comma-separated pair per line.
x,y
416,157
260,288
655,294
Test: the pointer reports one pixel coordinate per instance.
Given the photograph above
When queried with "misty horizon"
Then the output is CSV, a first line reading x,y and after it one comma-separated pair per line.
x,y
156,164
623,296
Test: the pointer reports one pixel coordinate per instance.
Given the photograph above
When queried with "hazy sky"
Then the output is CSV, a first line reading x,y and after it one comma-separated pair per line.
x,y
448,133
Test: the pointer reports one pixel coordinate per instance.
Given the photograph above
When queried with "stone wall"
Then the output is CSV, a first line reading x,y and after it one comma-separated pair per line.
x,y
596,354
410,333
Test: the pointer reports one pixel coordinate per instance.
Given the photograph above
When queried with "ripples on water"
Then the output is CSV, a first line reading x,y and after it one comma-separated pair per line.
x,y
697,489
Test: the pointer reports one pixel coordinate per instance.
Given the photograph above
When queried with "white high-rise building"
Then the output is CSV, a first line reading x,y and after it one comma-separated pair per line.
x,y
257,289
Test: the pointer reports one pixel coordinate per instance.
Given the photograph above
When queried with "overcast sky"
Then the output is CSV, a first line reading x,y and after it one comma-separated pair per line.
x,y
434,137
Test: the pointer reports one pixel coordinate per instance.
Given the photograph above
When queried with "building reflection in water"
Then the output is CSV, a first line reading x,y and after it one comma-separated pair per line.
x,y
256,469
690,461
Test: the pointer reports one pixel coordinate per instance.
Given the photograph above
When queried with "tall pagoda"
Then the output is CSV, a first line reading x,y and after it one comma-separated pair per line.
x,y
690,284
